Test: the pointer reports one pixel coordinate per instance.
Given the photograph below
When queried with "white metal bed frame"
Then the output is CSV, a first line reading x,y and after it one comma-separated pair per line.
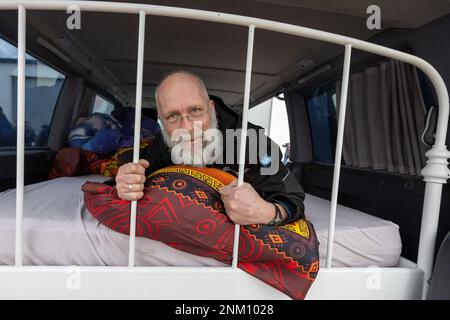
x,y
406,281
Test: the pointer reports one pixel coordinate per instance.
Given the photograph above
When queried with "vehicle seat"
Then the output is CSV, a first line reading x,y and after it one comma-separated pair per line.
x,y
440,279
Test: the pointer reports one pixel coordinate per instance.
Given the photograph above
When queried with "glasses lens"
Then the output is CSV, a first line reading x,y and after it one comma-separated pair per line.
x,y
197,115
173,119
193,115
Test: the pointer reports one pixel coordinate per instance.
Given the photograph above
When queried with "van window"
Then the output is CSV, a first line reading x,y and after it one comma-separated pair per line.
x,y
42,87
321,108
101,105
272,116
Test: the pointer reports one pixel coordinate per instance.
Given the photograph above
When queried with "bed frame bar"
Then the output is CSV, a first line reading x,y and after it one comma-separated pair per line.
x,y
435,172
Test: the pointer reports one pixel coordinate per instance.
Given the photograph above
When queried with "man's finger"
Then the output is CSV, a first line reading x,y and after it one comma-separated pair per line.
x,y
133,196
144,163
134,168
233,183
229,188
223,191
134,188
133,178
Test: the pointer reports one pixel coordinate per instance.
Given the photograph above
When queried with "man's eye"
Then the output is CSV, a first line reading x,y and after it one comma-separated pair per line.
x,y
196,110
172,118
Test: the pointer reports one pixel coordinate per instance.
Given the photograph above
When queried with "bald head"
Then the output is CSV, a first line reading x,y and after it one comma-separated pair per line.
x,y
180,85
179,94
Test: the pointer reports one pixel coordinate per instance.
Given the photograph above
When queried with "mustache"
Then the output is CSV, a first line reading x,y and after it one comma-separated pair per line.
x,y
197,134
183,137
198,153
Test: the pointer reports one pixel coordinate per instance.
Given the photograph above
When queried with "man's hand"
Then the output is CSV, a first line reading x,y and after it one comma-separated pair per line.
x,y
244,206
130,180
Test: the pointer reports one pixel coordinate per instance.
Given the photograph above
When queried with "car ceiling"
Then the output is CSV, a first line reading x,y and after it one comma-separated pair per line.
x,y
105,48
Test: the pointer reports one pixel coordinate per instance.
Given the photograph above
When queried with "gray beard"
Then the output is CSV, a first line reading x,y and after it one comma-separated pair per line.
x,y
184,152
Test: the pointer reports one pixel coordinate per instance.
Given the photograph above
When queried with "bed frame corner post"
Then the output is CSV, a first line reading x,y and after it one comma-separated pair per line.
x,y
435,173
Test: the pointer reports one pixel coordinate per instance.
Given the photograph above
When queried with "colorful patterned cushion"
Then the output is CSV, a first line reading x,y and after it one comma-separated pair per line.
x,y
73,161
182,208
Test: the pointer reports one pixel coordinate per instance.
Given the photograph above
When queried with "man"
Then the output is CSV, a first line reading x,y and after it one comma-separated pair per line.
x,y
184,105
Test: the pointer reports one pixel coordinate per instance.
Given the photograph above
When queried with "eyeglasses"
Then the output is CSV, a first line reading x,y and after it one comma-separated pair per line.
x,y
194,114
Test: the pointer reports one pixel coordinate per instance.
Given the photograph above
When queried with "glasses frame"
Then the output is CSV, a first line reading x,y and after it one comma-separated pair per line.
x,y
181,117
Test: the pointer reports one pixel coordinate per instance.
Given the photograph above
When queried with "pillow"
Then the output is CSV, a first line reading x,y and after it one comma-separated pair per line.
x,y
182,208
73,161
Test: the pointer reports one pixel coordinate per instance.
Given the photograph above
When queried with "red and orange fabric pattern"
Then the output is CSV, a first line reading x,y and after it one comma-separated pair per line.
x,y
74,161
182,208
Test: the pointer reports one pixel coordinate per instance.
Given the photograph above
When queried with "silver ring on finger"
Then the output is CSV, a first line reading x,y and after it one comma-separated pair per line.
x,y
129,187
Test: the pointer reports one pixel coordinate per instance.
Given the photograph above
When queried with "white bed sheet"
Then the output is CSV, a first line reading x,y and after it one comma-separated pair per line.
x,y
360,239
58,230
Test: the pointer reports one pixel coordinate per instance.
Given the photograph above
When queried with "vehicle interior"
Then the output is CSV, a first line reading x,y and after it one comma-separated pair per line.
x,y
391,113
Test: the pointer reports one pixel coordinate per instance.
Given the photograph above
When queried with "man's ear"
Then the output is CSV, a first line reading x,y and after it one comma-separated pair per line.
x,y
212,104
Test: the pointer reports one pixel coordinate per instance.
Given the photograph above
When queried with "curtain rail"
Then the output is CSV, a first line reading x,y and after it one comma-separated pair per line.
x,y
435,172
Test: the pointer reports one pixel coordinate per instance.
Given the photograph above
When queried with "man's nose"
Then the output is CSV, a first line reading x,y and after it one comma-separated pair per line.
x,y
187,125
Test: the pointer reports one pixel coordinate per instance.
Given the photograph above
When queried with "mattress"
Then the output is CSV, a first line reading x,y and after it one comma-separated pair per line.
x,y
360,239
58,230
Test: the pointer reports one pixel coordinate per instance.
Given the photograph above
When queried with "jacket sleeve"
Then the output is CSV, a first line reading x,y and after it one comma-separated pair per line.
x,y
276,185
